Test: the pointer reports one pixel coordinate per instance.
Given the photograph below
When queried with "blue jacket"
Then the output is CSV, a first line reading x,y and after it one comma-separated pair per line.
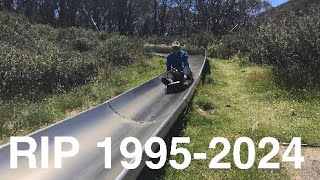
x,y
178,62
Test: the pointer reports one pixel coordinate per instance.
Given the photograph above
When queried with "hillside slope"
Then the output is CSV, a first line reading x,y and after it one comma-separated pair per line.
x,y
297,6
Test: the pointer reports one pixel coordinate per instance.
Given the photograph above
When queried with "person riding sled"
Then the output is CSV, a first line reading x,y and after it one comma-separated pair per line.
x,y
177,66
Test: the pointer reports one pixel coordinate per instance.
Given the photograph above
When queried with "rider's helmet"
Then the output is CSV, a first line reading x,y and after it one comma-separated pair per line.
x,y
175,44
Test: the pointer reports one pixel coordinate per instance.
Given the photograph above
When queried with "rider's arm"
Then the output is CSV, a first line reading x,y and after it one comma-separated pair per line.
x,y
185,57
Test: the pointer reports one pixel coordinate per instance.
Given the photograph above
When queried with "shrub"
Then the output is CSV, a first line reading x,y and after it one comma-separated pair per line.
x,y
202,39
120,51
230,45
54,70
39,58
291,46
82,44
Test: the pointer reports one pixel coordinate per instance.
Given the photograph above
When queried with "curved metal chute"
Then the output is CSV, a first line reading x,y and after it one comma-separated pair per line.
x,y
141,112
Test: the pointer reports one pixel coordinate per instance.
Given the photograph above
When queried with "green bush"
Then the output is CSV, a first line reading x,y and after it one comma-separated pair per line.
x,y
54,70
202,39
82,44
291,46
39,58
120,51
230,45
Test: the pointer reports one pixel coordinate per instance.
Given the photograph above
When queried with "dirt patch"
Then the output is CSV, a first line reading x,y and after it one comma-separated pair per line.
x,y
257,75
205,110
73,113
310,169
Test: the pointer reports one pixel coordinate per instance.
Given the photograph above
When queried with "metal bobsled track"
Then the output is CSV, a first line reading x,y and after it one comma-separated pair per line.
x,y
142,112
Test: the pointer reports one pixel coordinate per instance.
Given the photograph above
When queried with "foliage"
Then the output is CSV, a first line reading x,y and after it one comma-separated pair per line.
x,y
120,50
233,43
39,58
141,17
54,70
291,46
22,115
203,39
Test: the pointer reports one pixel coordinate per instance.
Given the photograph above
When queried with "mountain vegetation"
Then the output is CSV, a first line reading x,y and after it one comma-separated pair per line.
x,y
140,17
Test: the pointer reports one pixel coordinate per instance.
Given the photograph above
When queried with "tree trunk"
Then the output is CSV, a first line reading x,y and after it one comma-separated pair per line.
x,y
63,13
155,18
29,7
163,18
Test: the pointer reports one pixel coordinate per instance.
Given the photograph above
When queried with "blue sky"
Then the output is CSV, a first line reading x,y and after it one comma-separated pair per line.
x,y
275,3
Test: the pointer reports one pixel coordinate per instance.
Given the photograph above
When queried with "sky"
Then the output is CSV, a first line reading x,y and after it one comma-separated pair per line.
x,y
275,3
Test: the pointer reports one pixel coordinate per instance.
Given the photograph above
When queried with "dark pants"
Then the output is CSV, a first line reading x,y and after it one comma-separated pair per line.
x,y
173,76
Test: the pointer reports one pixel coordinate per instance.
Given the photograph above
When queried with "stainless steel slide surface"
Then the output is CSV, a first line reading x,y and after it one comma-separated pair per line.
x,y
141,112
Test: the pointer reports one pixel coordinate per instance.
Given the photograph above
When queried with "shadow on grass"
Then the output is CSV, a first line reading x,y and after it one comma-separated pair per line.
x,y
206,71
